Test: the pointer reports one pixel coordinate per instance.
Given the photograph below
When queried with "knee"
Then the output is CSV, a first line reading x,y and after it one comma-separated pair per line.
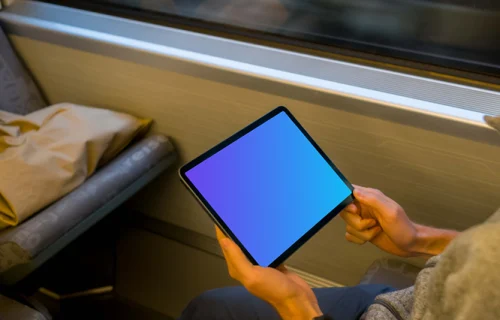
x,y
208,305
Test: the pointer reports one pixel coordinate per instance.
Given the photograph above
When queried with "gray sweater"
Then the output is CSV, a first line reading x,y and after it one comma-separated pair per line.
x,y
463,283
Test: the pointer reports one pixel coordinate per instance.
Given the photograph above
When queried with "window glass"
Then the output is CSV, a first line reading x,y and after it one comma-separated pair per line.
x,y
460,34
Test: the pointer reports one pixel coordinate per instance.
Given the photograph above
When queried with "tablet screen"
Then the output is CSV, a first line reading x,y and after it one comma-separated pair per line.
x,y
269,187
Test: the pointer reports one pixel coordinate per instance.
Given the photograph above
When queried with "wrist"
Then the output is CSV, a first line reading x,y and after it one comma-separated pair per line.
x,y
431,241
298,309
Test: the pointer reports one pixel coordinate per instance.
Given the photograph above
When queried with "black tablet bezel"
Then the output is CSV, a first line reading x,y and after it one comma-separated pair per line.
x,y
221,224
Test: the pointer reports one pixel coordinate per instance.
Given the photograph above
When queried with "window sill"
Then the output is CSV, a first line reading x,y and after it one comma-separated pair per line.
x,y
410,100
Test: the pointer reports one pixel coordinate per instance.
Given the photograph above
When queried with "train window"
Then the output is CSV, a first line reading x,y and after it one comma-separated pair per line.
x,y
456,34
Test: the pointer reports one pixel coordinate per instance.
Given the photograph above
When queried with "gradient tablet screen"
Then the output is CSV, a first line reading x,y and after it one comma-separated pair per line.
x,y
270,187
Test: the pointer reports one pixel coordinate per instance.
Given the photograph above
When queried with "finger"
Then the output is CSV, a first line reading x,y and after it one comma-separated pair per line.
x,y
371,197
356,222
365,235
239,266
220,235
353,239
358,187
352,208
220,238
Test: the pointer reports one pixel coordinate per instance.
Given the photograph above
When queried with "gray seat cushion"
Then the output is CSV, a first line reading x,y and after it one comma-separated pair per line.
x,y
18,92
21,244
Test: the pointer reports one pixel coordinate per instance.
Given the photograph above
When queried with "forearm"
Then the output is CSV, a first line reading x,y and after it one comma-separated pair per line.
x,y
432,241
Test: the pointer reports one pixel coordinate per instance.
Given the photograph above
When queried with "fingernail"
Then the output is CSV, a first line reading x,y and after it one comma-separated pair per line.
x,y
225,243
358,193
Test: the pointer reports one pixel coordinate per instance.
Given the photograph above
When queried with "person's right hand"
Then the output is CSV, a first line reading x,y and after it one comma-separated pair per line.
x,y
376,218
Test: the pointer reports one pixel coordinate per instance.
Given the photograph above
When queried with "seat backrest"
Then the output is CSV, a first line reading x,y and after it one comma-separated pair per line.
x,y
18,92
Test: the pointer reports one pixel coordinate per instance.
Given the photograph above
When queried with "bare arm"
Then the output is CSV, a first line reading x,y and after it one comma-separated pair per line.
x,y
378,219
432,241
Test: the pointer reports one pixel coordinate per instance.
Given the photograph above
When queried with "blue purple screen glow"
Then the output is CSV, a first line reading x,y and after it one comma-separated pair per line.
x,y
270,187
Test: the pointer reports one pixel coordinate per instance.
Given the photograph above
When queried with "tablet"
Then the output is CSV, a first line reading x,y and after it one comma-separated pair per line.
x,y
269,187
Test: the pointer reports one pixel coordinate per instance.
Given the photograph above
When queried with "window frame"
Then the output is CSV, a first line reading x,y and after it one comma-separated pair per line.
x,y
397,60
271,71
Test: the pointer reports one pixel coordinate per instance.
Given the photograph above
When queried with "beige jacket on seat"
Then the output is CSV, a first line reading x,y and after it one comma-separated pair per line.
x,y
48,153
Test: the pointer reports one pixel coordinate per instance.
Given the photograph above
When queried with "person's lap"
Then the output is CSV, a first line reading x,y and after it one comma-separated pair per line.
x,y
237,303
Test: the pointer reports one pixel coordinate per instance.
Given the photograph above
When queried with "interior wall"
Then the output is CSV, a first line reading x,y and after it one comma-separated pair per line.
x,y
440,180
165,282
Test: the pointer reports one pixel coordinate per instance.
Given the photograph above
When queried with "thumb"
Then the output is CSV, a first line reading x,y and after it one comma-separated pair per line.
x,y
235,258
371,198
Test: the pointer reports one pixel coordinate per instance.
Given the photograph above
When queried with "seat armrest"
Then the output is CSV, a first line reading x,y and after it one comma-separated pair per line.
x,y
43,235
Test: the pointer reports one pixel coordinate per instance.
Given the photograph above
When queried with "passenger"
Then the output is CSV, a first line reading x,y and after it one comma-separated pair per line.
x,y
461,280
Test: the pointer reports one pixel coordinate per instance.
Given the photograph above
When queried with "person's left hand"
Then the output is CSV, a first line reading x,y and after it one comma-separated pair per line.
x,y
289,294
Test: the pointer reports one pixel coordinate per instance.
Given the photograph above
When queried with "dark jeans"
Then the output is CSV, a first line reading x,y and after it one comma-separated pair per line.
x,y
236,303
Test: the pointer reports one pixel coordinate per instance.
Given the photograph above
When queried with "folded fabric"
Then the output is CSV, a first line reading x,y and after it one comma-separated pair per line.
x,y
46,154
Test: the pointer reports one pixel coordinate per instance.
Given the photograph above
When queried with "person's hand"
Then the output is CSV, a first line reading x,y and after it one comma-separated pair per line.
x,y
376,218
284,290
